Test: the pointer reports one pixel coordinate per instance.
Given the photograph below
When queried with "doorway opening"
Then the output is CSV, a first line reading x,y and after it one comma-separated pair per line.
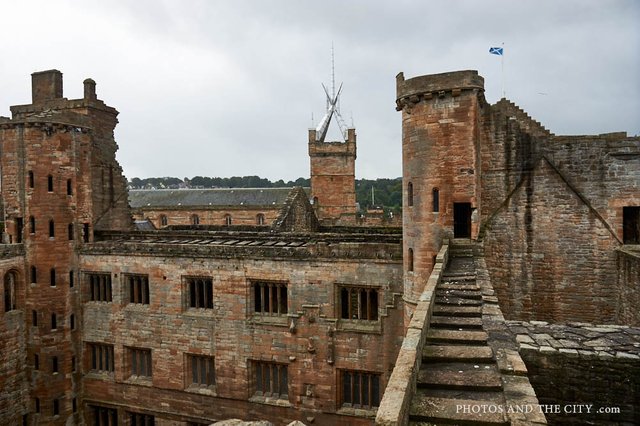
x,y
631,225
462,220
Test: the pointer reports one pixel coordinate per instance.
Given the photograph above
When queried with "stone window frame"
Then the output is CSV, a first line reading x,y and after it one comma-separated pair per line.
x,y
263,389
228,220
195,219
100,358
195,366
163,220
365,310
188,300
281,316
103,416
260,219
140,419
95,292
136,293
10,283
348,393
358,325
139,363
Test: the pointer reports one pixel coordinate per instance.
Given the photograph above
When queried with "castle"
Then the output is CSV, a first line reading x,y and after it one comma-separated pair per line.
x,y
294,312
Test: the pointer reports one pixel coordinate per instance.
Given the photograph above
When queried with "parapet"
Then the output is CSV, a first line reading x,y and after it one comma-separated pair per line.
x,y
436,85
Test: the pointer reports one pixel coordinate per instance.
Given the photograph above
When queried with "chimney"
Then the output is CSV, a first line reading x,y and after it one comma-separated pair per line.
x,y
89,89
46,85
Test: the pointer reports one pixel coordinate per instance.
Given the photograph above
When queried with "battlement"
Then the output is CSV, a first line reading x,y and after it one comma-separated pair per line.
x,y
435,85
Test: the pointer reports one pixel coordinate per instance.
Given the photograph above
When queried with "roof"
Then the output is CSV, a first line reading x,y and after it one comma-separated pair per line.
x,y
154,198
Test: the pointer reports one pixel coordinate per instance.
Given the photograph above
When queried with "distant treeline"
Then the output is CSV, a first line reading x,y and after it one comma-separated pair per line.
x,y
387,193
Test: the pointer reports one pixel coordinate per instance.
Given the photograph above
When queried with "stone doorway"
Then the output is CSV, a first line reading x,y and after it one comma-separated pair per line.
x,y
631,225
461,220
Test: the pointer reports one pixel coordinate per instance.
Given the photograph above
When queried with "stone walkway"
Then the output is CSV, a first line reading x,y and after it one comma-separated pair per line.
x,y
460,380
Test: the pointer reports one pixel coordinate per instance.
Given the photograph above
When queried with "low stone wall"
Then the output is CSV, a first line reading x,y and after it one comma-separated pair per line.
x,y
394,407
583,374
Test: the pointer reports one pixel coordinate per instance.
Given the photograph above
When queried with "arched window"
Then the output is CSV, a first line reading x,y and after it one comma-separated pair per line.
x,y
69,187
70,231
260,219
410,260
195,220
10,284
52,231
436,200
163,220
227,219
34,275
52,274
50,183
410,194
32,225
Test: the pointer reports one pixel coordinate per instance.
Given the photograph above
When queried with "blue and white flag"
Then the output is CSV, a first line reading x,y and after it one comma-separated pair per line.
x,y
496,51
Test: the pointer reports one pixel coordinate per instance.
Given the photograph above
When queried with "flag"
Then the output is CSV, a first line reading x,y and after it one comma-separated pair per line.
x,y
496,50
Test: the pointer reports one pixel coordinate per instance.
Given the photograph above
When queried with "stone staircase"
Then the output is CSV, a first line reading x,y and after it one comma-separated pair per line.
x,y
459,381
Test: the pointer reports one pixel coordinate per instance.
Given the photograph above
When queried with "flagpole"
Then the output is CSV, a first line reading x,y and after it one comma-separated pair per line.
x,y
502,64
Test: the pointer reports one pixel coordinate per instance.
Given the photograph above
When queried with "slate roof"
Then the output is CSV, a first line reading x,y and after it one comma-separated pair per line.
x,y
172,198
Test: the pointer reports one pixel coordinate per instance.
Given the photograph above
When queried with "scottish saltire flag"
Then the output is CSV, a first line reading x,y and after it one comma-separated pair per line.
x,y
496,50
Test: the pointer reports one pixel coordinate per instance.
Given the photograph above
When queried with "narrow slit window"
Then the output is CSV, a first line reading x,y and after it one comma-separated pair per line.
x,y
52,229
410,194
52,277
410,260
69,187
436,200
31,179
50,183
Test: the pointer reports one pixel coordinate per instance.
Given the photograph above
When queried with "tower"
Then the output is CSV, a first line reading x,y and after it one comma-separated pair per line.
x,y
60,183
333,189
440,173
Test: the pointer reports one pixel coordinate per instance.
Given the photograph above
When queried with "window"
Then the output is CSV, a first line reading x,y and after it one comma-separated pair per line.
x,y
101,356
631,225
260,219
36,362
37,404
99,287
34,318
71,278
140,362
360,303
52,230
138,419
138,287
19,230
103,416
31,179
32,225
360,389
50,183
436,200
72,322
52,277
270,297
54,364
163,220
270,379
73,364
56,407
69,187
34,275
70,231
85,232
54,322
75,405
227,219
410,260
410,194
10,284
202,370
200,292
195,220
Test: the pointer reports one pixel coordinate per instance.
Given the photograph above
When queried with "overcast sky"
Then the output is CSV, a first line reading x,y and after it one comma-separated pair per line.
x,y
224,88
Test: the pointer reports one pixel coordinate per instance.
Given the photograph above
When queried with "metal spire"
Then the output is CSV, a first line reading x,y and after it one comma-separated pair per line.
x,y
333,106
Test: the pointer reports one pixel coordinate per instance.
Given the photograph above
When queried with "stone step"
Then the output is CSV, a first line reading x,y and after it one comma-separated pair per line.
x,y
457,336
471,377
457,301
454,353
456,323
455,411
465,293
458,276
464,286
457,311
